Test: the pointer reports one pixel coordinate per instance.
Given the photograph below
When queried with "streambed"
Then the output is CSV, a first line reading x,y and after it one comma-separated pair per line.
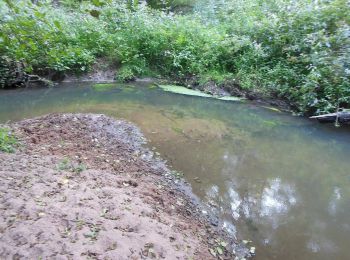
x,y
281,181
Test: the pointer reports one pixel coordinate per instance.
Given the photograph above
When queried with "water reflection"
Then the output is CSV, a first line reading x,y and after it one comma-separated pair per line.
x,y
321,245
276,199
333,204
283,209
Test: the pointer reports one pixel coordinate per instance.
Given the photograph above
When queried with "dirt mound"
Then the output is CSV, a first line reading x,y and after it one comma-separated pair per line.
x,y
83,187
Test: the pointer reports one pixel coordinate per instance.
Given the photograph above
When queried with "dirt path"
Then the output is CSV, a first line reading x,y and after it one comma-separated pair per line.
x,y
81,186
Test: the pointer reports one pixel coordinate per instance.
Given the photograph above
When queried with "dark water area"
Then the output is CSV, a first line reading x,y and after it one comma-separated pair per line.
x,y
281,181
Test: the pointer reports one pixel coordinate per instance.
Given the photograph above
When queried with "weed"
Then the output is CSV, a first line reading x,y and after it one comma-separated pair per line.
x,y
8,141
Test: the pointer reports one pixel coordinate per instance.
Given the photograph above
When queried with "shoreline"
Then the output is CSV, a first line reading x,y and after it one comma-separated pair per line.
x,y
108,75
84,185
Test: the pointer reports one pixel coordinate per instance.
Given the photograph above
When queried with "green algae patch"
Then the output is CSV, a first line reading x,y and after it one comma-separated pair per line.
x,y
104,86
230,98
183,91
192,92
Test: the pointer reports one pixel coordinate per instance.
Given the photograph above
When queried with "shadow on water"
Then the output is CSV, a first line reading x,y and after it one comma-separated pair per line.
x,y
282,182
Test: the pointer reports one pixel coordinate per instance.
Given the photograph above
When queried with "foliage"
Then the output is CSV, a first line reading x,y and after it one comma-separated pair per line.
x,y
8,71
127,73
300,50
171,5
294,50
44,38
7,141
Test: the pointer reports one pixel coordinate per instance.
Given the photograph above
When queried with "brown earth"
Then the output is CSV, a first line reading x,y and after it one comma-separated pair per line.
x,y
82,186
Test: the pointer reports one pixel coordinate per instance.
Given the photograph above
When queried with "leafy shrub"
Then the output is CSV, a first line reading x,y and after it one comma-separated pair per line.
x,y
125,74
303,50
8,70
46,38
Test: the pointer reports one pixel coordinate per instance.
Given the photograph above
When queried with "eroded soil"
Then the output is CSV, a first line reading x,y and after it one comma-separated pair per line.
x,y
82,186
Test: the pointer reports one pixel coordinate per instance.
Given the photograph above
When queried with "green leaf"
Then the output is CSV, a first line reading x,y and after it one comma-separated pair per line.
x,y
57,24
39,15
219,250
97,3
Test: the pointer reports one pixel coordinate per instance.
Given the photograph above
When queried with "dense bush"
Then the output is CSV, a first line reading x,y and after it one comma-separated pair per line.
x,y
294,50
304,49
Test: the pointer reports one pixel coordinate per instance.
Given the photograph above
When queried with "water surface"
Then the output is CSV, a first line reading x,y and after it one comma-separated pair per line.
x,y
281,181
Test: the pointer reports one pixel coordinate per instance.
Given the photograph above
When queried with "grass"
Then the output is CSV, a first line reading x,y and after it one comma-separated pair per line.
x,y
8,141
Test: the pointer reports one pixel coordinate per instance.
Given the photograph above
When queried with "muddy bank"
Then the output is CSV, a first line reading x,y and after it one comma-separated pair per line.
x,y
83,186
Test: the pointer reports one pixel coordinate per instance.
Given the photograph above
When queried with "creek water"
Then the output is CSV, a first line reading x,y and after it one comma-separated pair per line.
x,y
282,182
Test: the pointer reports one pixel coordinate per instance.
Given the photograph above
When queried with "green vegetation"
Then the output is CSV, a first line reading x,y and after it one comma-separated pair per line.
x,y
298,51
67,165
7,141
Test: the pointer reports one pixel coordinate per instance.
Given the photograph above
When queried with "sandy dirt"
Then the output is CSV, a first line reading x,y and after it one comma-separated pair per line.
x,y
82,186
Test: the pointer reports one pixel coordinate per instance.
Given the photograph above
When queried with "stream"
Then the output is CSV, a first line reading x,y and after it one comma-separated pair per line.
x,y
281,181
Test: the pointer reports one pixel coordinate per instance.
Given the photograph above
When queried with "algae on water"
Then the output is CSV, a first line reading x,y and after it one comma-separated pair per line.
x,y
191,92
110,86
229,98
183,91
104,86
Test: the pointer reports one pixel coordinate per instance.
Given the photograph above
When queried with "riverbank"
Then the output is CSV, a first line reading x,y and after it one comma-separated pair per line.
x,y
83,185
103,72
108,74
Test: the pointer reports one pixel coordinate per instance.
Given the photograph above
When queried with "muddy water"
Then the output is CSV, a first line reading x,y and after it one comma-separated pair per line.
x,y
281,181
